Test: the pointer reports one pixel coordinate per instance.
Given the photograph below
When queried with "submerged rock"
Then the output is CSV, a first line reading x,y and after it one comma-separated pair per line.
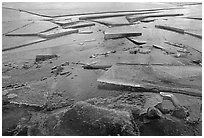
x,y
87,119
122,115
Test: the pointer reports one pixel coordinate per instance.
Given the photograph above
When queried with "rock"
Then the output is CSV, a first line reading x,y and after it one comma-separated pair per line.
x,y
58,70
55,67
197,62
19,85
134,51
151,103
144,51
38,66
105,54
26,66
44,78
65,64
112,51
44,57
67,73
179,55
153,112
97,66
183,50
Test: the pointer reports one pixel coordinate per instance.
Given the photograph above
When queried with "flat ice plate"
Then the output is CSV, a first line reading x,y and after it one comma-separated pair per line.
x,y
37,27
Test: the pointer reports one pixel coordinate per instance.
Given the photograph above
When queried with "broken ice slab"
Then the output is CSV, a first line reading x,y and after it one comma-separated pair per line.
x,y
148,20
57,33
86,32
85,41
174,29
65,22
108,15
26,34
174,44
139,17
34,28
79,25
194,18
120,32
67,73
193,34
136,41
9,43
177,79
114,21
159,47
178,30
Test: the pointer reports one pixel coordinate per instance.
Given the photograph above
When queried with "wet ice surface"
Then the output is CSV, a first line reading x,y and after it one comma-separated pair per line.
x,y
48,89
